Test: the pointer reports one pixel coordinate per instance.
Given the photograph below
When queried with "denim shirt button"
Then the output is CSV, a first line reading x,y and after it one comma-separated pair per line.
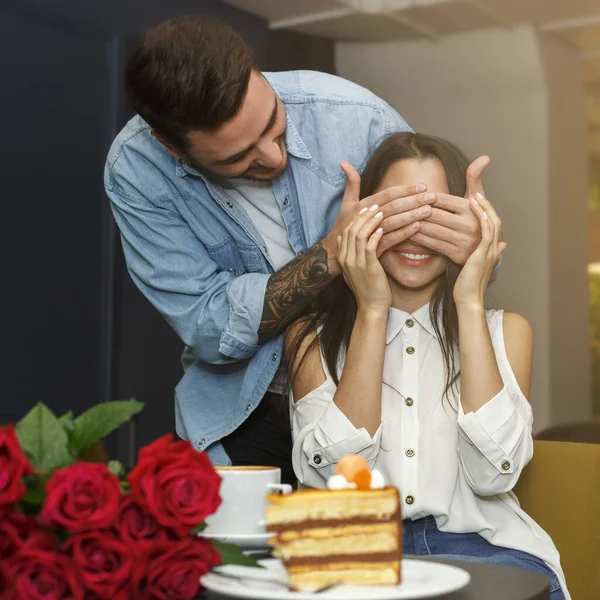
x,y
317,459
286,202
200,443
232,271
248,408
274,357
229,205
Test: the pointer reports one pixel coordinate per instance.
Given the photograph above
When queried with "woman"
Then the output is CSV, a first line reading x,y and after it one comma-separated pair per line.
x,y
401,363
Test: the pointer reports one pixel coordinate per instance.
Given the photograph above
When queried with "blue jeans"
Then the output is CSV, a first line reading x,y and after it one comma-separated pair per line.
x,y
423,538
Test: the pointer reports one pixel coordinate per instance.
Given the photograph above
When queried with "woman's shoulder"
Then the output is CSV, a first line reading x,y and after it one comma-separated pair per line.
x,y
509,330
510,320
302,353
516,327
298,339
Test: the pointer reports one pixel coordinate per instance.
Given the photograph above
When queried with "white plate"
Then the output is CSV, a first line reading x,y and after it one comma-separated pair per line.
x,y
246,541
420,579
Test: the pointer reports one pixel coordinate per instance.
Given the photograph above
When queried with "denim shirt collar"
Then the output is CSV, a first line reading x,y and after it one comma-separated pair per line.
x,y
293,142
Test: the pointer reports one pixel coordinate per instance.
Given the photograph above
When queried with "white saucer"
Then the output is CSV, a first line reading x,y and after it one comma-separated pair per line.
x,y
420,579
246,541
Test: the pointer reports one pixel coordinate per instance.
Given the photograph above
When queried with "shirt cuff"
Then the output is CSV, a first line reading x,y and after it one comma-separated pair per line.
x,y
246,298
495,429
336,437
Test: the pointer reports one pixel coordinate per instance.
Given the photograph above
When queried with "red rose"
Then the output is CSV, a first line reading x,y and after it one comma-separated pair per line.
x,y
15,528
105,563
81,497
4,581
14,466
37,574
42,540
173,570
137,528
176,484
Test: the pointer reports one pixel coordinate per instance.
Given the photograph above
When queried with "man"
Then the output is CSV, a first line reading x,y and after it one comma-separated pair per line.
x,y
227,190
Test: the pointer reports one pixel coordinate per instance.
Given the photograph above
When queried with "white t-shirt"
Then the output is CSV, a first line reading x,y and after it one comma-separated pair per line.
x,y
259,202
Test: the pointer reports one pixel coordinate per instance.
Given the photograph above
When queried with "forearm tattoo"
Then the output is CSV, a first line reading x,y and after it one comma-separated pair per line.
x,y
291,290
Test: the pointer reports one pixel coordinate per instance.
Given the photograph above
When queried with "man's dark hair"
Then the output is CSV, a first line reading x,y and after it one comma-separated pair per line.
x,y
188,73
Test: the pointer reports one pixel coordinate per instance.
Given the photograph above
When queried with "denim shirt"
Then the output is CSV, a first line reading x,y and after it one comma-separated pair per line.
x,y
195,254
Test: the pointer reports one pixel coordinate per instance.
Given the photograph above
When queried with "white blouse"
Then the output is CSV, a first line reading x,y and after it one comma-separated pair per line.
x,y
458,468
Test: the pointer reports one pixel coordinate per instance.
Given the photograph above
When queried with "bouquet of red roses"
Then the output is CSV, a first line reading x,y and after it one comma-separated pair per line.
x,y
71,529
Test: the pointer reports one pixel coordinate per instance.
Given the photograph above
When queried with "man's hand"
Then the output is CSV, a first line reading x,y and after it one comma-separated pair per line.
x,y
403,208
452,229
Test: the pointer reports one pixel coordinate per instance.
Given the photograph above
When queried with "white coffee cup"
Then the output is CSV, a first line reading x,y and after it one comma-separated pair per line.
x,y
244,491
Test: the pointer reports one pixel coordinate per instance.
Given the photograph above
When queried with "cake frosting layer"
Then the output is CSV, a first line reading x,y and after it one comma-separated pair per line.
x,y
320,505
357,560
341,522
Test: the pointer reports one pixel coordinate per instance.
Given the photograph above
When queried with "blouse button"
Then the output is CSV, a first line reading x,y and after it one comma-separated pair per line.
x,y
410,350
409,402
317,459
505,465
410,453
410,323
409,500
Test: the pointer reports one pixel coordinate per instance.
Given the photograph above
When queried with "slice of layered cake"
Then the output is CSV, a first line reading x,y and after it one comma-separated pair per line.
x,y
337,536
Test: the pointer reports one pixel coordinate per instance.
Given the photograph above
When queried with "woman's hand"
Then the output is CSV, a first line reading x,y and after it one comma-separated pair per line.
x,y
473,280
357,256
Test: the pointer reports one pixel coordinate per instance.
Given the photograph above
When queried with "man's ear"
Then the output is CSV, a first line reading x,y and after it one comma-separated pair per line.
x,y
170,148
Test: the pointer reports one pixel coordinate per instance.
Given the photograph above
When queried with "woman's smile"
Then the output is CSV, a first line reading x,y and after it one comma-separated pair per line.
x,y
414,257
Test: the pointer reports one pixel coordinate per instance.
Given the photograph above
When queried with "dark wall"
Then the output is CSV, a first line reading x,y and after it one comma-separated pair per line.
x,y
74,328
288,51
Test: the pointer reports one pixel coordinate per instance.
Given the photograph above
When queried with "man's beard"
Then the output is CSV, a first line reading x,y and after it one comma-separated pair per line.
x,y
212,176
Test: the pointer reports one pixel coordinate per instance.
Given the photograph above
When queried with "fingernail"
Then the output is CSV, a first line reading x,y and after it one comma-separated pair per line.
x,y
379,214
485,216
421,187
380,230
374,207
364,210
474,202
424,210
430,196
414,227
480,196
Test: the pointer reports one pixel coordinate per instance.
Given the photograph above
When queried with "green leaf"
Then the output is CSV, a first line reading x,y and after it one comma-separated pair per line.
x,y
198,529
116,468
36,491
43,439
232,555
67,422
100,420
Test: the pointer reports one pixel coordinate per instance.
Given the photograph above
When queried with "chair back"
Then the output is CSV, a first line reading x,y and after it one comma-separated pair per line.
x,y
587,432
560,489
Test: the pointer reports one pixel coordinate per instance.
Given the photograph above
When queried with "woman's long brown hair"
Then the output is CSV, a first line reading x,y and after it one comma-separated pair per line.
x,y
334,309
